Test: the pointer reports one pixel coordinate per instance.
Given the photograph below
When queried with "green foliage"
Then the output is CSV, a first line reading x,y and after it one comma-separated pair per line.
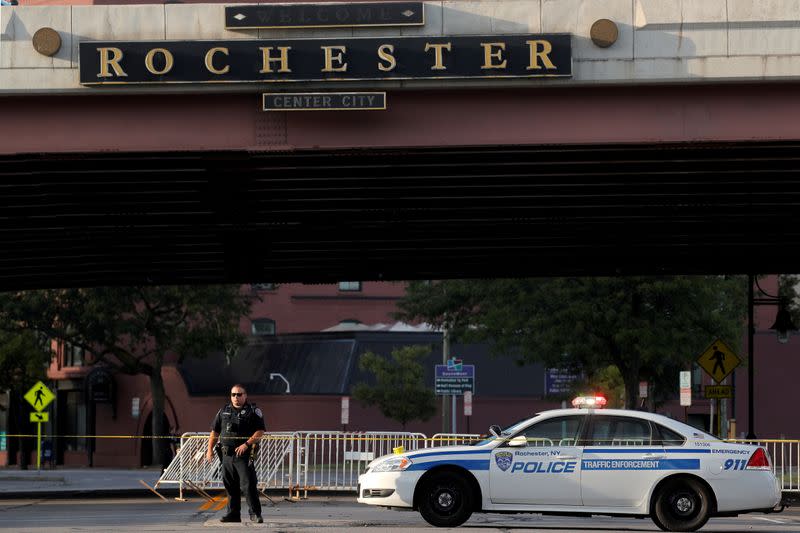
x,y
131,329
608,382
23,360
649,328
399,390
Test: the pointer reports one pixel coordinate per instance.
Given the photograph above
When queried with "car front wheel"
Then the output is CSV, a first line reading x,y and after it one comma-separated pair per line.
x,y
682,505
446,500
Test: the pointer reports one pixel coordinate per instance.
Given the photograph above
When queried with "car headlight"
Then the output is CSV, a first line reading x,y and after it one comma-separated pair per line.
x,y
395,464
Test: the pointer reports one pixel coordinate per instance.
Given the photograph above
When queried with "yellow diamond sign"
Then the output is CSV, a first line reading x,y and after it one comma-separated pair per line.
x,y
39,396
40,417
718,360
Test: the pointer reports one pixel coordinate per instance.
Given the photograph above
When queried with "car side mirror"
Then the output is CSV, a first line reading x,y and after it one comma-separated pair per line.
x,y
518,442
495,430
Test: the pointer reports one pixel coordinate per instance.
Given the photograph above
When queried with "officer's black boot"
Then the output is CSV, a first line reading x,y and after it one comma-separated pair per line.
x,y
256,518
230,517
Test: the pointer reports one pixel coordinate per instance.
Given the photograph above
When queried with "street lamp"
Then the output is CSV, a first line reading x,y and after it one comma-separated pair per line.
x,y
274,375
783,326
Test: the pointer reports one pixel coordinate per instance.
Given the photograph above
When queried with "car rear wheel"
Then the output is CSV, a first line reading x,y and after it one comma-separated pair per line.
x,y
446,500
682,505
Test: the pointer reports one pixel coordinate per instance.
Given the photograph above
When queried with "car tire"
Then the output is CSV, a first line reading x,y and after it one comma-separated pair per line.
x,y
446,500
682,505
658,523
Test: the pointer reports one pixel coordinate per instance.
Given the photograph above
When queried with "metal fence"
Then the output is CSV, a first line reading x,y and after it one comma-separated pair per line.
x,y
333,460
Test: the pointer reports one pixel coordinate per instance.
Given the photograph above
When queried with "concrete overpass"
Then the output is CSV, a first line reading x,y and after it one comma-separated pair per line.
x,y
674,149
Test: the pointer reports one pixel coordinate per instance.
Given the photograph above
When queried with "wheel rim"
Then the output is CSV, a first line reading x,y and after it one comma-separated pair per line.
x,y
444,500
684,504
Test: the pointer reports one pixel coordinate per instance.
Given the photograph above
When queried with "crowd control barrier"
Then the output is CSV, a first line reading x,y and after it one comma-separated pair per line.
x,y
333,460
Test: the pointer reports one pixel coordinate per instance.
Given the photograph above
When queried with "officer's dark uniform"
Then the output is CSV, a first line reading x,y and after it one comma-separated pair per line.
x,y
238,474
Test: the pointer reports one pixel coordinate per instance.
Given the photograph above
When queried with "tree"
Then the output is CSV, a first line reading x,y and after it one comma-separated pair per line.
x,y
23,360
399,390
132,329
649,328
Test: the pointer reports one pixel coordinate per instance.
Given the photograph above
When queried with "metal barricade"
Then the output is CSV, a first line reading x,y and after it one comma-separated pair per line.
x,y
274,463
785,455
333,460
452,439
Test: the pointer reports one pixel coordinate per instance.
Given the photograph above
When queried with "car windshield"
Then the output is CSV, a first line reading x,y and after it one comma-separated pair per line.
x,y
506,431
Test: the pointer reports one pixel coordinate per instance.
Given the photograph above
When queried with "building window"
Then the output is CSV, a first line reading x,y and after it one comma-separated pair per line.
x,y
73,355
350,286
264,286
262,326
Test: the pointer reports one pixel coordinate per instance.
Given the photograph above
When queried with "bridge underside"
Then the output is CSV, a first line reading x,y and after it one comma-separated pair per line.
x,y
315,216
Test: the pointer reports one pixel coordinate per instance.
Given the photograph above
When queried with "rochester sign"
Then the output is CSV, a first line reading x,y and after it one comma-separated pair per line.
x,y
327,60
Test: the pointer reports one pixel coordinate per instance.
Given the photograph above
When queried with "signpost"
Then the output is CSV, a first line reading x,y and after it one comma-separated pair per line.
x,y
454,382
718,361
719,391
467,406
39,396
559,382
345,412
686,390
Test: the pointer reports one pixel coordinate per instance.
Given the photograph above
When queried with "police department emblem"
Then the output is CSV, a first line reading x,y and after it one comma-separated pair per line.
x,y
503,460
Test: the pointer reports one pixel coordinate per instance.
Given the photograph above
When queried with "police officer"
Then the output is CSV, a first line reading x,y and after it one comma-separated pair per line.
x,y
238,426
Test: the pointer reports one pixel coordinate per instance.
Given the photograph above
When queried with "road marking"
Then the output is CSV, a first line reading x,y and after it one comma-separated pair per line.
x,y
217,502
221,505
768,519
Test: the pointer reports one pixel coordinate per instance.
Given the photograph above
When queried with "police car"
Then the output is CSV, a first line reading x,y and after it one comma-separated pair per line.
x,y
580,462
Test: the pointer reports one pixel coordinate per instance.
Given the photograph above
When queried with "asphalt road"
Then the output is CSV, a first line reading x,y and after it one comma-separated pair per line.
x,y
321,513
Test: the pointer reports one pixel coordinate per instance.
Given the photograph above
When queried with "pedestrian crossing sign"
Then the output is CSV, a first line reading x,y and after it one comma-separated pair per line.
x,y
39,396
718,360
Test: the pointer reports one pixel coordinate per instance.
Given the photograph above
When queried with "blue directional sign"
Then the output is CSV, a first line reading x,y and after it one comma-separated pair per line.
x,y
454,379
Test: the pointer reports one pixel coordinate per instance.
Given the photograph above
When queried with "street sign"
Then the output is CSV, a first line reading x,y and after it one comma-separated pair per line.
x,y
345,410
39,396
333,15
40,417
718,360
719,391
454,382
467,403
642,389
558,382
686,388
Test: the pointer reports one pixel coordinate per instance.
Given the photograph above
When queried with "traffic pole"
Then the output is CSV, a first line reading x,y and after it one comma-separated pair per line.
x,y
38,445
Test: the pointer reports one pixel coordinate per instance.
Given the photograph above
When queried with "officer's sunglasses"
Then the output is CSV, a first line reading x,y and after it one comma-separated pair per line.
x,y
237,394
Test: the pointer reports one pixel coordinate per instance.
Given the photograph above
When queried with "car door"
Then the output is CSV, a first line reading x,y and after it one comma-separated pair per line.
x,y
621,461
544,470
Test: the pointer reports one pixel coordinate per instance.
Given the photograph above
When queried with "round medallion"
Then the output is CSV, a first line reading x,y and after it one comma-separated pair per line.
x,y
604,33
47,41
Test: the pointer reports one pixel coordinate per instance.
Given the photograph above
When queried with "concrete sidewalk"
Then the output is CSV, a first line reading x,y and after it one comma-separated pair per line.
x,y
65,483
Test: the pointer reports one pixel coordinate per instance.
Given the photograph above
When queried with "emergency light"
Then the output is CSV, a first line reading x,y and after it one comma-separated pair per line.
x,y
589,402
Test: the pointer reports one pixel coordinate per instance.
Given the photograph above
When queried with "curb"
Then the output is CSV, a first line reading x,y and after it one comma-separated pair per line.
x,y
78,493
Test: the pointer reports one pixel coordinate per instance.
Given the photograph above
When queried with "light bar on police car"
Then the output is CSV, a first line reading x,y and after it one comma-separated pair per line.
x,y
589,402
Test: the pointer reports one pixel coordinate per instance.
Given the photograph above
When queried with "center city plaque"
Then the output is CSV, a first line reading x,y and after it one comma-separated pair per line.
x,y
370,101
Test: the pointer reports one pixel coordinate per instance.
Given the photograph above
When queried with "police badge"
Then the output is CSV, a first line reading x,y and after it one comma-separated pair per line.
x,y
503,460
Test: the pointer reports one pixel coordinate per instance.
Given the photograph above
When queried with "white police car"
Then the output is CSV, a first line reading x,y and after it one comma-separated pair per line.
x,y
584,462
